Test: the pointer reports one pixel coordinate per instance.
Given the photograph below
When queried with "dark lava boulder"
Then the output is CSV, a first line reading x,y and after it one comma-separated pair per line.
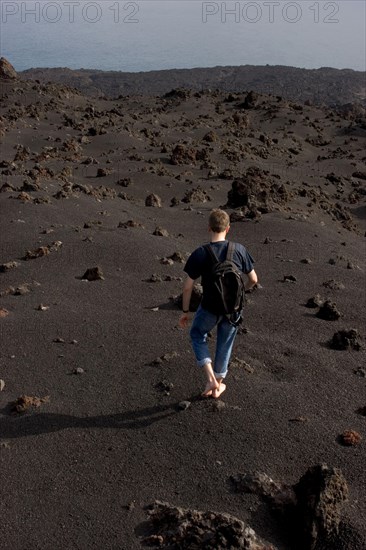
x,y
7,71
153,200
328,311
256,190
186,529
320,493
346,339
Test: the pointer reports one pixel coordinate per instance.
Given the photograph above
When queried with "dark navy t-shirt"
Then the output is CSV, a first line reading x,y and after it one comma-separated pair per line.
x,y
199,263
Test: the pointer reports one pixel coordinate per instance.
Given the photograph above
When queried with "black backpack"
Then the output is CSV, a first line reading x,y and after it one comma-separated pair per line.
x,y
223,292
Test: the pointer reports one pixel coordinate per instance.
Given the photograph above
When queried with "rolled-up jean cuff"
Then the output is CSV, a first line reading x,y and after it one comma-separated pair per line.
x,y
204,362
220,374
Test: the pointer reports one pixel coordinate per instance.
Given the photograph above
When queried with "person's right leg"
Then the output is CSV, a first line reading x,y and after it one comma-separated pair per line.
x,y
203,323
226,333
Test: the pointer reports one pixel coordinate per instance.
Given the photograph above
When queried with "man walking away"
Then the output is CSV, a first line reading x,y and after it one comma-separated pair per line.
x,y
212,262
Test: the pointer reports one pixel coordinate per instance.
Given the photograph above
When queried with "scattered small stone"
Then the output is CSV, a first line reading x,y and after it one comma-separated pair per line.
x,y
178,257
153,200
3,312
58,340
7,266
361,411
306,261
78,370
218,405
101,172
289,279
74,342
332,261
160,232
4,445
41,307
267,240
154,279
21,290
328,311
130,223
174,201
25,402
298,419
360,372
346,339
165,386
196,298
164,358
37,253
196,195
93,274
315,301
350,438
184,405
124,182
2,384
333,284
350,265
167,261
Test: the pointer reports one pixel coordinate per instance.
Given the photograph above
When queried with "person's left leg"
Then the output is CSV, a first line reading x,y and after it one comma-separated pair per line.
x,y
203,323
226,333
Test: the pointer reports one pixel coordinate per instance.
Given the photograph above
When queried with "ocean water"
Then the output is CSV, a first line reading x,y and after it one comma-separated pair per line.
x,y
148,35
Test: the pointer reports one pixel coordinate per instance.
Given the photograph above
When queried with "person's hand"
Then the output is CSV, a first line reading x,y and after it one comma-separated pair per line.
x,y
184,320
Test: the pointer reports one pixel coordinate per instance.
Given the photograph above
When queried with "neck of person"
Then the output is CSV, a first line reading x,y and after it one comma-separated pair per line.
x,y
217,237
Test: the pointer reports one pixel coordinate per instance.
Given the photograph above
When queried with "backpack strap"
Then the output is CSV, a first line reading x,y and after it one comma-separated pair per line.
x,y
230,251
211,253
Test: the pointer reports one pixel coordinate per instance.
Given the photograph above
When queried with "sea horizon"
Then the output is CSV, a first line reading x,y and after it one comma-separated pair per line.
x,y
153,35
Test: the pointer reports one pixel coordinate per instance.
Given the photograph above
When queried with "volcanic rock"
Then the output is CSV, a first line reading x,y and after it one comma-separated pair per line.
x,y
250,101
174,527
153,200
257,483
196,195
196,298
320,494
130,223
7,266
350,438
7,71
3,312
93,274
183,155
256,190
328,311
346,339
25,402
160,232
37,253
315,301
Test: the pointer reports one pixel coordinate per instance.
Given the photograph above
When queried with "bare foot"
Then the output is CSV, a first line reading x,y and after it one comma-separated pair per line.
x,y
210,387
218,391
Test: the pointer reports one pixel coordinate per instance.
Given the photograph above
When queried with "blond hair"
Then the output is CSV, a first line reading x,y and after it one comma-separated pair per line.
x,y
218,220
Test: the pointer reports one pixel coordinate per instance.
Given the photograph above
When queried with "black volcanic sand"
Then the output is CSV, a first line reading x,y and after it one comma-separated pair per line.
x,y
77,471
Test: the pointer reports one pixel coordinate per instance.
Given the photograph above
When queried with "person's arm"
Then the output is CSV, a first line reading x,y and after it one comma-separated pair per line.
x,y
186,300
252,280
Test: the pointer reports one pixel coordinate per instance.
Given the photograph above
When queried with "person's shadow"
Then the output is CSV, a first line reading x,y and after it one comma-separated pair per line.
x,y
14,426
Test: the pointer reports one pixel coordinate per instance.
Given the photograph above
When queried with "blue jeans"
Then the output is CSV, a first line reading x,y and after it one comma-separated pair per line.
x,y
204,322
